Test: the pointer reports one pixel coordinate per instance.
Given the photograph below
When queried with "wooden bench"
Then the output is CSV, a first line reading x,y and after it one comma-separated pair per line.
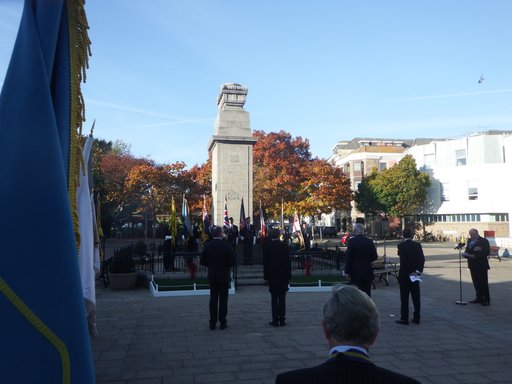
x,y
494,252
382,269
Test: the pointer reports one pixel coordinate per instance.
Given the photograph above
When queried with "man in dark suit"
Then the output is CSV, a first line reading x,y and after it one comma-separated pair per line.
x,y
218,257
233,234
350,325
477,253
360,253
277,271
247,234
412,261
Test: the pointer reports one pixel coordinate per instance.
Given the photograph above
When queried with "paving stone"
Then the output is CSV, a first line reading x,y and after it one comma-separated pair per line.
x,y
167,340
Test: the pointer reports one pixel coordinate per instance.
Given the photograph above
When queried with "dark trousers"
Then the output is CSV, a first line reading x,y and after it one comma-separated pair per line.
x,y
481,284
364,285
278,306
248,252
408,287
218,299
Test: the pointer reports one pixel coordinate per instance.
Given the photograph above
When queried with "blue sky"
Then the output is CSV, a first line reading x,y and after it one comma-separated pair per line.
x,y
324,70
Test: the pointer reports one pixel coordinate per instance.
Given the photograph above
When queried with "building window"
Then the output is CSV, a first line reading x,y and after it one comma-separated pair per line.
x,y
357,166
429,160
473,193
500,216
382,166
460,157
445,191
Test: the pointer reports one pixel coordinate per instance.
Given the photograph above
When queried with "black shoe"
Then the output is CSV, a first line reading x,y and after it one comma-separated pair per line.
x,y
273,323
282,323
223,326
416,321
486,303
402,321
212,327
476,301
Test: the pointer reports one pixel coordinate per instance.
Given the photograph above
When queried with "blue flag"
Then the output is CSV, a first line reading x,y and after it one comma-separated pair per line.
x,y
43,330
187,225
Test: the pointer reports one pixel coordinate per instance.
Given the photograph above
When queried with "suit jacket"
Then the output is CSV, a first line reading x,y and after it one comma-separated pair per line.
x,y
277,266
219,258
248,234
342,370
411,258
233,234
359,256
481,249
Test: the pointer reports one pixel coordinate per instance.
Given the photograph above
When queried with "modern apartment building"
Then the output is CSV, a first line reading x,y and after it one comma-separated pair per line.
x,y
471,182
471,178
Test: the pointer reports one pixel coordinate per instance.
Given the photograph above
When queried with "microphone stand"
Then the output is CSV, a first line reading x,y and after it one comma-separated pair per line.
x,y
460,302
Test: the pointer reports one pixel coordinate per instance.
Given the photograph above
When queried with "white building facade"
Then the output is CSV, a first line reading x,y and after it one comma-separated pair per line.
x,y
471,183
471,178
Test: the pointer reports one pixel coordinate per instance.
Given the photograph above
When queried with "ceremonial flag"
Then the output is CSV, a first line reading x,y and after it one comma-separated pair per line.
x,y
174,222
263,226
226,225
242,217
43,332
88,250
296,227
282,217
187,226
206,221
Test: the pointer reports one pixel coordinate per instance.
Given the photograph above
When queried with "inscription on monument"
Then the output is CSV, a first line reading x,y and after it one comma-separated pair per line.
x,y
232,195
235,158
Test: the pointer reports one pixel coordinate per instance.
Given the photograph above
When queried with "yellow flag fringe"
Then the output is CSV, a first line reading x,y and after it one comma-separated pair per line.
x,y
80,50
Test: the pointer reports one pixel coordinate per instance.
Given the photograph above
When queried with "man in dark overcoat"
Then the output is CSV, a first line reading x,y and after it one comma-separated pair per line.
x,y
219,258
412,261
477,253
360,253
277,271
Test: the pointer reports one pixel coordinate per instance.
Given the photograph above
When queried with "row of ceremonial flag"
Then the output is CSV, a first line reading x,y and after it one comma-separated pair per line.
x,y
226,222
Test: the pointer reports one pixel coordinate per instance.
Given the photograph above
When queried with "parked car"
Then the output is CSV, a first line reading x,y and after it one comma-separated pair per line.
x,y
326,231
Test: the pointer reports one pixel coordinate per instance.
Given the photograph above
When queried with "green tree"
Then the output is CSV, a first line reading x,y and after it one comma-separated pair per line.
x,y
366,198
402,189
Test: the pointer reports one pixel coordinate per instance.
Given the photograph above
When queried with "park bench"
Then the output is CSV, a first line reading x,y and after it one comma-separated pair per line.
x,y
494,252
382,269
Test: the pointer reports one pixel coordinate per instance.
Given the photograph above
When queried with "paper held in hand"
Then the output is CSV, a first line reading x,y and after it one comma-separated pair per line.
x,y
415,276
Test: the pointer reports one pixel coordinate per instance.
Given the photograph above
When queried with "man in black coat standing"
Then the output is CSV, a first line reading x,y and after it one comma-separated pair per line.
x,y
350,324
360,253
277,271
412,261
477,253
247,234
218,257
233,234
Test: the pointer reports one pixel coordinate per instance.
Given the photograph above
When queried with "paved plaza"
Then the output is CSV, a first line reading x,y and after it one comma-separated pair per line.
x,y
150,340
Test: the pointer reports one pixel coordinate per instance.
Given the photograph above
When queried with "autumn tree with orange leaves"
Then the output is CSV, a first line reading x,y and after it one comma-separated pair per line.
x,y
284,171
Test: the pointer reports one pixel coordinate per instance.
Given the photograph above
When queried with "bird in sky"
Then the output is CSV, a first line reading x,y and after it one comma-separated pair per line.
x,y
481,79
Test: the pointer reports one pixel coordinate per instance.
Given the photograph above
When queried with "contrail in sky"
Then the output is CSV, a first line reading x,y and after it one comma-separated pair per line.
x,y
451,95
136,110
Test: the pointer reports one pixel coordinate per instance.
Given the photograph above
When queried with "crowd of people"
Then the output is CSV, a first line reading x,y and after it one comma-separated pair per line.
x,y
350,317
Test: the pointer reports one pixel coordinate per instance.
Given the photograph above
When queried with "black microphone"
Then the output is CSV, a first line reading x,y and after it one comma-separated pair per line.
x,y
459,246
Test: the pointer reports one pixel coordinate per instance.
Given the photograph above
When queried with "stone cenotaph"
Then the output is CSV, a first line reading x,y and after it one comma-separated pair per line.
x,y
231,150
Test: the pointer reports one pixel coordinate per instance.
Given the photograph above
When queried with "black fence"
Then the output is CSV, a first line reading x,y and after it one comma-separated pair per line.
x,y
319,260
151,258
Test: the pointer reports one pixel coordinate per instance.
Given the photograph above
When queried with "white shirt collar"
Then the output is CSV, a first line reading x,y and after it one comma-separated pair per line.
x,y
344,348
